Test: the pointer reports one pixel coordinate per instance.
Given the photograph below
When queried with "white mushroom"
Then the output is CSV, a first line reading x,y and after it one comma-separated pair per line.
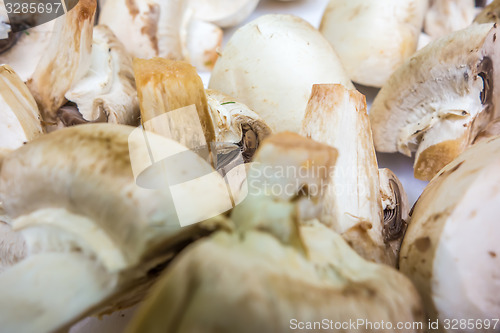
x,y
355,200
66,59
107,91
451,250
447,16
440,99
224,13
162,28
272,272
271,63
373,38
94,239
21,120
174,103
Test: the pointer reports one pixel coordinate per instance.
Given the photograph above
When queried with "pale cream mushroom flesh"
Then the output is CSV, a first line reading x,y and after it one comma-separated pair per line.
x,y
447,16
271,63
106,93
278,264
437,102
368,210
373,38
89,239
451,250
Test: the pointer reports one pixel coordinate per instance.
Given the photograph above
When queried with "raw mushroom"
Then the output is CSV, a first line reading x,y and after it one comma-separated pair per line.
x,y
66,59
271,63
490,13
439,100
223,13
173,101
447,16
162,28
200,118
94,239
458,211
107,91
367,210
235,123
373,38
21,120
276,269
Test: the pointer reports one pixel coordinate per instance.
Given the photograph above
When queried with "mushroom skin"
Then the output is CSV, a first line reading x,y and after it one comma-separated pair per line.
x,y
490,13
278,264
458,207
223,13
253,70
438,101
447,16
107,92
373,38
89,230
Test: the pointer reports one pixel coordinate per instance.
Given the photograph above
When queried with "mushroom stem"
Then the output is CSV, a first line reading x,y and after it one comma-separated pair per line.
x,y
66,60
353,205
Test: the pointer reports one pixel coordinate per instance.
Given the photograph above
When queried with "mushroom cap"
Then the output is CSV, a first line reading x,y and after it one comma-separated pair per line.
x,y
271,63
458,211
447,16
373,38
224,13
439,99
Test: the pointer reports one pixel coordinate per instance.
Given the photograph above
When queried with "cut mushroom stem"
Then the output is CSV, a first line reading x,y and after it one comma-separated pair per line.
x,y
173,102
355,202
65,61
440,99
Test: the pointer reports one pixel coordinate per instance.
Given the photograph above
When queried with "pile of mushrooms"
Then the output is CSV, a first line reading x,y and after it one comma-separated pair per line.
x,y
258,203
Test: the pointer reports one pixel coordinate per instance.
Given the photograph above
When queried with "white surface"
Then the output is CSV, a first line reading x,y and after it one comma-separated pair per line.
x,y
310,10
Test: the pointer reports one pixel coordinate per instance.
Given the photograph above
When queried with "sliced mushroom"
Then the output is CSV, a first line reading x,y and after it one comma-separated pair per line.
x,y
490,14
356,199
107,91
91,233
447,16
162,28
66,59
224,13
21,120
234,122
274,271
253,68
439,100
173,101
373,38
451,250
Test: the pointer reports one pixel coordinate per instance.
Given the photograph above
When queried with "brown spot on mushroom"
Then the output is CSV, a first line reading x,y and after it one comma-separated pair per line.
x,y
492,254
485,69
132,7
423,244
151,25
